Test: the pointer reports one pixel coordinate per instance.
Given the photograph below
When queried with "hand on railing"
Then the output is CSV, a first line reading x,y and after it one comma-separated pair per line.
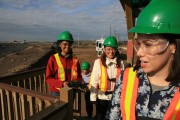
x,y
76,85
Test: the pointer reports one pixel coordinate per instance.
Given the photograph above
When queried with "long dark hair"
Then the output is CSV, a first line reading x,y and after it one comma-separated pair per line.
x,y
118,60
175,68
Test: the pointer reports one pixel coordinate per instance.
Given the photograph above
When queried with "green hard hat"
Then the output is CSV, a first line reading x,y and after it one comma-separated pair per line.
x,y
111,42
65,36
159,16
85,65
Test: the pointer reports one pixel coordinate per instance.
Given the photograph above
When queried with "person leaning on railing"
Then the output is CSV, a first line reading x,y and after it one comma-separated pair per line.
x,y
63,68
151,90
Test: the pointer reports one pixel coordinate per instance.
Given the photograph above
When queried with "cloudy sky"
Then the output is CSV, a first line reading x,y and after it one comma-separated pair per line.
x,y
43,20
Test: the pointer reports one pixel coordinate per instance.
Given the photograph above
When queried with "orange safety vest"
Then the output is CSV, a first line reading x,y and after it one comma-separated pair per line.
x,y
129,95
104,77
61,73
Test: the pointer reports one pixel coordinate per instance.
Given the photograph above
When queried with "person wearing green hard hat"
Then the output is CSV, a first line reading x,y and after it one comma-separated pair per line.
x,y
151,89
104,74
86,73
63,67
65,36
111,42
85,66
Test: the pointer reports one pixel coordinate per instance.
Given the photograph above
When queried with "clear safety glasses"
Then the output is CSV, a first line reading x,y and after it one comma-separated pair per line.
x,y
109,49
66,44
150,46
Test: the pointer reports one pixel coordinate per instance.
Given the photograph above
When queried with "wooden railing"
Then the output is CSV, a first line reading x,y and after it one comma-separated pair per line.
x,y
32,80
28,93
19,103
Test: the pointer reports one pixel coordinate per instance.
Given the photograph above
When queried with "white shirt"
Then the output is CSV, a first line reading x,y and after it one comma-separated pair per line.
x,y
95,79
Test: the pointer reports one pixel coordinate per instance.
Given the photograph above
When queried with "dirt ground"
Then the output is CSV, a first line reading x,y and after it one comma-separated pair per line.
x,y
18,57
87,53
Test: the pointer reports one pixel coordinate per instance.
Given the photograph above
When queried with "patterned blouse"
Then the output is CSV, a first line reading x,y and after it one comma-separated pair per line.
x,y
148,104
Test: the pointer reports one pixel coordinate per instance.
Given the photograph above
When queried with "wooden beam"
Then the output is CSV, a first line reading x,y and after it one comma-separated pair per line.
x,y
126,4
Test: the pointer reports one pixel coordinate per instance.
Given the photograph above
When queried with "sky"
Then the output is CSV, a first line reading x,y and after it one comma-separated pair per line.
x,y
43,20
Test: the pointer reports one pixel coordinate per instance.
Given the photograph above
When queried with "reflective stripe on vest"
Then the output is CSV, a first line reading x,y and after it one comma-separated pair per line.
x,y
129,95
61,73
104,77
74,74
90,82
173,112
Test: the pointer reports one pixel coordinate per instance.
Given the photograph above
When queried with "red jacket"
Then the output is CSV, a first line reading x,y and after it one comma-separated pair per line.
x,y
52,71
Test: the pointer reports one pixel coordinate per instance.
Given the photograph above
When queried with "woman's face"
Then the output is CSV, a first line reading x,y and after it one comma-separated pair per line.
x,y
110,52
155,53
86,71
65,46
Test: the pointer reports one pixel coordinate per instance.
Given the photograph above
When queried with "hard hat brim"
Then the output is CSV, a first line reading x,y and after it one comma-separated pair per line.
x,y
66,40
152,30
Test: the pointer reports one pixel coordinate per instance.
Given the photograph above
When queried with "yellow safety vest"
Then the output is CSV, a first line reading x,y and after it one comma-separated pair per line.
x,y
104,77
129,96
61,72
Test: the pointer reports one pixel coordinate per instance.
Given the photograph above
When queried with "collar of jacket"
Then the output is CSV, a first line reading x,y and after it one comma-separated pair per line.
x,y
67,56
109,62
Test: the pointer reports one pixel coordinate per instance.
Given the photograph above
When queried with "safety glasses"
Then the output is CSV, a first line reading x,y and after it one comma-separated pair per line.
x,y
66,44
150,46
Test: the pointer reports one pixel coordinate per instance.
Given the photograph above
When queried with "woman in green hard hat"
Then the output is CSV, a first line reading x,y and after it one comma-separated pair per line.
x,y
63,67
104,75
151,90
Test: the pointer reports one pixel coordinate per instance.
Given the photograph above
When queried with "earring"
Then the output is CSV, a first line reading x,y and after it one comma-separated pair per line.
x,y
173,51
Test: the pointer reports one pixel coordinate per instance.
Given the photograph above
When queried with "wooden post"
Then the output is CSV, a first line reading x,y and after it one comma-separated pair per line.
x,y
126,4
131,13
66,95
